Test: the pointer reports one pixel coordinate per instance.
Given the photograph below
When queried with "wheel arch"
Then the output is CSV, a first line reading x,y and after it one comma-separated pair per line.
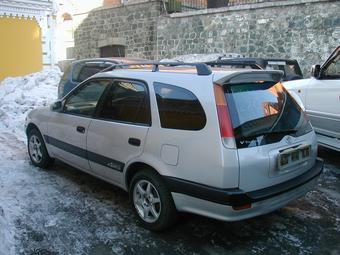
x,y
133,168
31,126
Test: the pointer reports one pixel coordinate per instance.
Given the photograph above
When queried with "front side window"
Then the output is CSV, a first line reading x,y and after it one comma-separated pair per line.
x,y
84,100
179,108
333,70
127,101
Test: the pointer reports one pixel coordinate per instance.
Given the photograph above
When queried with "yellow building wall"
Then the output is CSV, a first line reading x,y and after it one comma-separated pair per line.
x,y
20,47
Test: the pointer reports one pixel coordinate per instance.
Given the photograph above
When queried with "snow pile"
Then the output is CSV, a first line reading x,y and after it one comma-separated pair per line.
x,y
193,58
19,95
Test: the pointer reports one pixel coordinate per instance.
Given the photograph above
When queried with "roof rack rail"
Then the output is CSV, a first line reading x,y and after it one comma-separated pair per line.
x,y
234,62
202,69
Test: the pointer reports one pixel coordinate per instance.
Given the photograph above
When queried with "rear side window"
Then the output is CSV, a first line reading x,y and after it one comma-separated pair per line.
x,y
127,101
178,108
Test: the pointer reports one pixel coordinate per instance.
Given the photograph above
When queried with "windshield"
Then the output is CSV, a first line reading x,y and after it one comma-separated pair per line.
x,y
263,113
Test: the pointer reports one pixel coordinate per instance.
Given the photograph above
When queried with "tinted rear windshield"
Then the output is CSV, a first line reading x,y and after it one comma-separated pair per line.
x,y
263,113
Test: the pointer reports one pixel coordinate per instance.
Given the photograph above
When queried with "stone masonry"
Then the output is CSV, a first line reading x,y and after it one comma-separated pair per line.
x,y
133,26
307,30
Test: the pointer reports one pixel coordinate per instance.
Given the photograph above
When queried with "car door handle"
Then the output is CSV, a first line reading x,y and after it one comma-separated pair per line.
x,y
134,141
80,129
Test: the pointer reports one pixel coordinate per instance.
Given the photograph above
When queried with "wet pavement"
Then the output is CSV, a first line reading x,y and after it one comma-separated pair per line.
x,y
65,211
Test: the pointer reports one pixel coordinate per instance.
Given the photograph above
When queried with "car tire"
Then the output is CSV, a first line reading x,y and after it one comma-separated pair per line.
x,y
37,149
151,201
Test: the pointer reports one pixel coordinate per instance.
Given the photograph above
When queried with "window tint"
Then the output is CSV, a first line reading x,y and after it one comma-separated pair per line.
x,y
84,100
178,108
76,70
88,71
64,78
333,70
263,113
128,102
83,71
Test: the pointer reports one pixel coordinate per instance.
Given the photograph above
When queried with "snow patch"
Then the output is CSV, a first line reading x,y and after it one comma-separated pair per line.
x,y
19,95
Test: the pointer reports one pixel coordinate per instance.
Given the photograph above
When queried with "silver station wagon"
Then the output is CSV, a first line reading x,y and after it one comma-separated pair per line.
x,y
179,137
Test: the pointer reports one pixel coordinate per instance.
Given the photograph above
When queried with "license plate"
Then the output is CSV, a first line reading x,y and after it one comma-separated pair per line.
x,y
294,156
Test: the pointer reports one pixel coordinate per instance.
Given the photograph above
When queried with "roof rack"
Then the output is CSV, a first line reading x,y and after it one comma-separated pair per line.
x,y
202,69
234,62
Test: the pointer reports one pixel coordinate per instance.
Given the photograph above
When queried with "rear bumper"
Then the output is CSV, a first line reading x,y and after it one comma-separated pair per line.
x,y
218,203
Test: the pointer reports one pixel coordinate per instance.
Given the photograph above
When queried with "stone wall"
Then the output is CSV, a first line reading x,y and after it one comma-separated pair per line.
x,y
305,30
133,26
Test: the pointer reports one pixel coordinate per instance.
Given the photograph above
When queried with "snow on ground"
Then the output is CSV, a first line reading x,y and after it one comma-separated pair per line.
x,y
18,96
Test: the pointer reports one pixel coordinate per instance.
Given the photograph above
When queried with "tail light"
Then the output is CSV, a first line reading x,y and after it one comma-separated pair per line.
x,y
226,128
242,207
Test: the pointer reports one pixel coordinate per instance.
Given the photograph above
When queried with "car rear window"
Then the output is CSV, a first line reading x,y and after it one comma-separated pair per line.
x,y
64,78
83,71
263,110
179,108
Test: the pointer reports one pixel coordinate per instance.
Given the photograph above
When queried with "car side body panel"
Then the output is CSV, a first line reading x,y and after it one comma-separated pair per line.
x,y
323,106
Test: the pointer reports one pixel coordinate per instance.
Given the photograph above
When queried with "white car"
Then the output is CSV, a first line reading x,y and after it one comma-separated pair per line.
x,y
224,144
320,96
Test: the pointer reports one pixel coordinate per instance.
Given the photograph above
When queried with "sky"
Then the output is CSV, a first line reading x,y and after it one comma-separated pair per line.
x,y
78,6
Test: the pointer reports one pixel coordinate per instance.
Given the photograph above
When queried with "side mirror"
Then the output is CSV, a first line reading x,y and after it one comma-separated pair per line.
x,y
57,106
315,71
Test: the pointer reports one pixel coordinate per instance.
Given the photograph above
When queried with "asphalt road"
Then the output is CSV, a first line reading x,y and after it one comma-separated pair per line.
x,y
65,211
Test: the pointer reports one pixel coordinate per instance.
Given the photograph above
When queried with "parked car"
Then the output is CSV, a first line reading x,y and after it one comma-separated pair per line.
x,y
229,145
80,70
320,95
290,67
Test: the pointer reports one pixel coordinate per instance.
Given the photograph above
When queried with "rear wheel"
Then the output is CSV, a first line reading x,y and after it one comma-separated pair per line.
x,y
152,201
37,149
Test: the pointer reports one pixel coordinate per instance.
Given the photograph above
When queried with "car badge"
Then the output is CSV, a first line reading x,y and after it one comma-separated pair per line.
x,y
289,140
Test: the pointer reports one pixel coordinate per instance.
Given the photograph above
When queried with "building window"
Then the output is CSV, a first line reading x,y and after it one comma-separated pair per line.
x,y
112,51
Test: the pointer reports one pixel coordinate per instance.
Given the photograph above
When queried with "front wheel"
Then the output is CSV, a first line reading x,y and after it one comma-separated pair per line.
x,y
151,201
37,149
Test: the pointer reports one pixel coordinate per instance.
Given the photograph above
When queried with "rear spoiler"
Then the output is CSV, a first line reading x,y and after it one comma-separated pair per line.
x,y
251,76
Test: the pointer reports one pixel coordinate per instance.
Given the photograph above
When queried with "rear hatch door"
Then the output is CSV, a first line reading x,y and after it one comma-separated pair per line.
x,y
274,139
